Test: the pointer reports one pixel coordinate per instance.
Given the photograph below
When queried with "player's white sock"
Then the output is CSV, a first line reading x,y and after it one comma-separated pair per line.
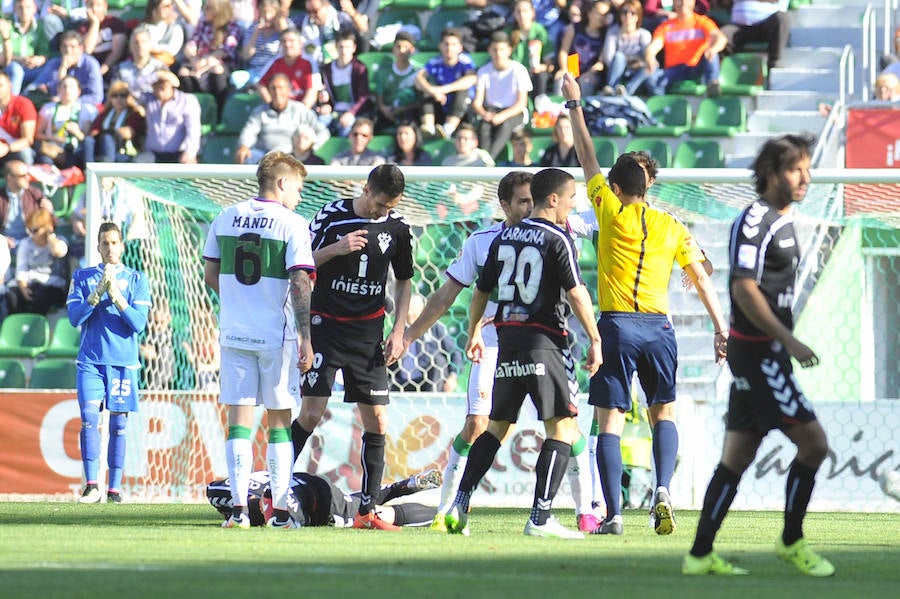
x,y
239,457
456,465
579,475
280,460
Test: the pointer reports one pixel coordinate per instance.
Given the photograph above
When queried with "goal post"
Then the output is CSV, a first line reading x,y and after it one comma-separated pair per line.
x,y
847,305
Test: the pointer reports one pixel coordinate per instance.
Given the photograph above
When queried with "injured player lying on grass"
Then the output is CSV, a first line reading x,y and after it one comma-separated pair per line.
x,y
316,501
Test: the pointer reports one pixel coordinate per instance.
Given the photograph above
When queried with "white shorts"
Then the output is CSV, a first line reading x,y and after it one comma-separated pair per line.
x,y
481,384
261,377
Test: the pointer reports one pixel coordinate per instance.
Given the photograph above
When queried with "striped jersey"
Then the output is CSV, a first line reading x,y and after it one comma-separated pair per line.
x,y
109,337
531,265
468,265
763,247
257,243
637,246
352,287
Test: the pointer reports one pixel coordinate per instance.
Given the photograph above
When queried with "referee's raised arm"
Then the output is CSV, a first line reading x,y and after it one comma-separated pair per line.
x,y
584,147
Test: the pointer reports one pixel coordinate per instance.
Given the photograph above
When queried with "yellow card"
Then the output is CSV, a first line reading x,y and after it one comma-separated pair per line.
x,y
573,65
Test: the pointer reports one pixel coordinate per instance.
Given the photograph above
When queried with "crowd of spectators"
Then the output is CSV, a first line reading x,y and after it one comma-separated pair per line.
x,y
123,90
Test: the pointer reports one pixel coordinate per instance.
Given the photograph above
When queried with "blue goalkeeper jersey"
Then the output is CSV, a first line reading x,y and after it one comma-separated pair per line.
x,y
108,336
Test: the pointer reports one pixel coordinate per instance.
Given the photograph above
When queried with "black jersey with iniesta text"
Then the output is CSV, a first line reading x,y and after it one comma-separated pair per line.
x,y
763,247
353,286
532,265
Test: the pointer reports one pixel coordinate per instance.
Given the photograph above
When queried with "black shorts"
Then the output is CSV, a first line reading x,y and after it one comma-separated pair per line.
x,y
355,348
764,392
548,375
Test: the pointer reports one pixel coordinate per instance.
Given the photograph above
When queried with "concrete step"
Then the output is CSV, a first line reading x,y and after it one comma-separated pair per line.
x,y
804,79
835,37
744,143
811,57
761,121
780,100
826,16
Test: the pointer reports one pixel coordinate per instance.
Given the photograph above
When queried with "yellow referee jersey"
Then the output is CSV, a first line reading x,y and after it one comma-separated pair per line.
x,y
637,246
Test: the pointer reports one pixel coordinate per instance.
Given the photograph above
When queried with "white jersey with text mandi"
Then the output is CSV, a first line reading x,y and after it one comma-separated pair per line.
x,y
257,242
468,265
352,286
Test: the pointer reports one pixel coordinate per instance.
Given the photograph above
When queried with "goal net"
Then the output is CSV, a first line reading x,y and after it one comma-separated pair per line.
x,y
847,305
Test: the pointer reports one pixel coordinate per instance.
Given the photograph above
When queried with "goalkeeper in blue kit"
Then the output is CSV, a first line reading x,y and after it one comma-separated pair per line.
x,y
110,303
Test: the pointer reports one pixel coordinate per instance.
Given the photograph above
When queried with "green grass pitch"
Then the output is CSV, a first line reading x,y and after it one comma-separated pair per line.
x,y
173,551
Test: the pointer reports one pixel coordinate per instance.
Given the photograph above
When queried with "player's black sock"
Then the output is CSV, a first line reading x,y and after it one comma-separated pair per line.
x,y
299,436
719,495
401,488
481,456
413,514
800,482
550,468
237,510
373,469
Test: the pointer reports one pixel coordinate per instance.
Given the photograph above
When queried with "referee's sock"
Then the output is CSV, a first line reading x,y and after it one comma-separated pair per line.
x,y
609,463
665,451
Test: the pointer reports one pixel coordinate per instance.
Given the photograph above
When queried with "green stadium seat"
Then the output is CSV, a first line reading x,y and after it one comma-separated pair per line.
x,y
65,199
673,114
375,61
237,109
439,20
405,15
418,5
332,146
65,341
12,374
439,149
421,57
686,88
743,74
539,145
24,335
699,153
480,58
383,144
658,148
607,151
53,373
722,116
209,112
219,149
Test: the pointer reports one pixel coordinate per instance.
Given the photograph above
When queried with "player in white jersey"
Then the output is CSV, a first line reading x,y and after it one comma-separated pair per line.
x,y
110,303
259,260
515,198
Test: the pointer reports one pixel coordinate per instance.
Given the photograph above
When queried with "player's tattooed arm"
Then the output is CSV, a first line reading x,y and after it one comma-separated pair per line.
x,y
301,292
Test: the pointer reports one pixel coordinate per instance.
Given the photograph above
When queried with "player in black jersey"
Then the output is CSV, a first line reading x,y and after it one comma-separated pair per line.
x,y
764,393
316,501
532,265
354,242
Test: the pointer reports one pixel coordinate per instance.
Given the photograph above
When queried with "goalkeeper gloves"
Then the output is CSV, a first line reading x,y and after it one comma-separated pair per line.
x,y
115,295
95,296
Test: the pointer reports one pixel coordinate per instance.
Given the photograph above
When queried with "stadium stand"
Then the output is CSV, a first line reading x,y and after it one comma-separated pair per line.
x,y
24,335
12,374
53,373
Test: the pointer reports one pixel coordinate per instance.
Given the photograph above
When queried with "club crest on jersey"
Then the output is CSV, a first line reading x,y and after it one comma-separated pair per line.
x,y
384,241
316,320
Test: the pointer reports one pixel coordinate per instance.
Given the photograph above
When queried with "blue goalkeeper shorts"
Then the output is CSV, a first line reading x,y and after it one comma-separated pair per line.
x,y
115,387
